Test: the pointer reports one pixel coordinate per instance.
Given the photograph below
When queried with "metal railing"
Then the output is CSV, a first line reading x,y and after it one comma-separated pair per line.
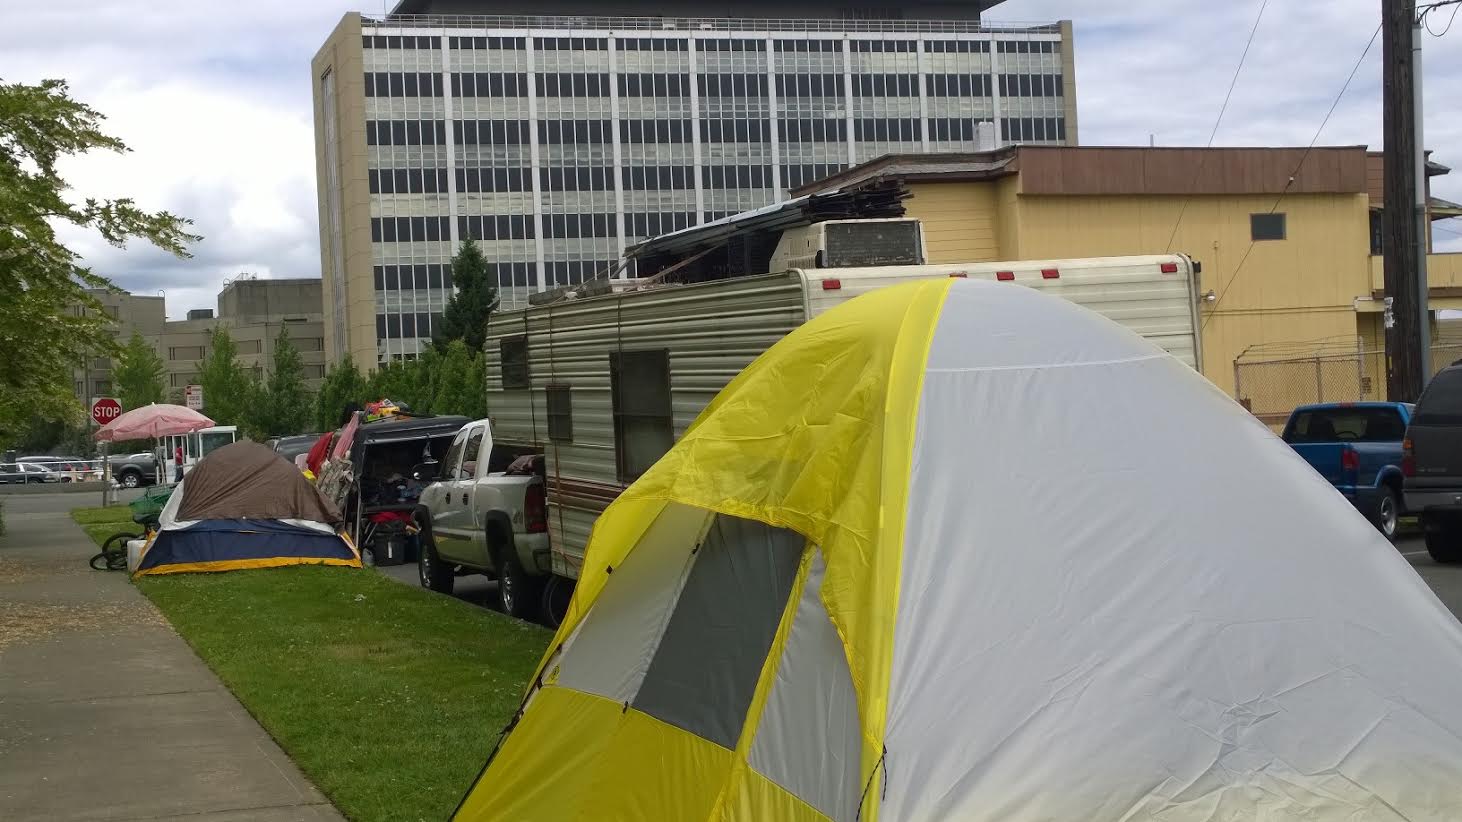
x,y
759,24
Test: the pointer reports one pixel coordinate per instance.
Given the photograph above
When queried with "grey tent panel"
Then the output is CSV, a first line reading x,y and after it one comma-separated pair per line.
x,y
808,738
705,671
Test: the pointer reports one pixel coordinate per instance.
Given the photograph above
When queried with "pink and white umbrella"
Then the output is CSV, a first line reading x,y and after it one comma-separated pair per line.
x,y
159,420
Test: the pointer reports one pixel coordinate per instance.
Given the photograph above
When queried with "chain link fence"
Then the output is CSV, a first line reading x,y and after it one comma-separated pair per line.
x,y
1271,386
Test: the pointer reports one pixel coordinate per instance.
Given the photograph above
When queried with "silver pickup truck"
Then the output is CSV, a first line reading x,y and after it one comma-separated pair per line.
x,y
485,513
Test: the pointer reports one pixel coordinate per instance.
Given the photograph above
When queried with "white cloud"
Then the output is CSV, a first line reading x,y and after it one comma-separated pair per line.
x,y
214,99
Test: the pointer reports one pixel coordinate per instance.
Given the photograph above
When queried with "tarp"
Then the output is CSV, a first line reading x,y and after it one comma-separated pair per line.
x,y
1043,571
246,480
244,506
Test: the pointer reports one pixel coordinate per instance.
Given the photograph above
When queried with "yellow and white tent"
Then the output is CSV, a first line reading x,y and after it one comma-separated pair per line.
x,y
960,550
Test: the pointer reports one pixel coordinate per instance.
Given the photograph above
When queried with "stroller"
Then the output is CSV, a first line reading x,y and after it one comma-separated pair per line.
x,y
146,511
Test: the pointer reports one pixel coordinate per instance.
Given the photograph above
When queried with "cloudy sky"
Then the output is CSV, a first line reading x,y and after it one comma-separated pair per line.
x,y
214,99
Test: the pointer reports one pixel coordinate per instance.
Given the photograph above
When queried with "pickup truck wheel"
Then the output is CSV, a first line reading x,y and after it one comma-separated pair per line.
x,y
1388,513
130,479
518,592
1443,539
434,574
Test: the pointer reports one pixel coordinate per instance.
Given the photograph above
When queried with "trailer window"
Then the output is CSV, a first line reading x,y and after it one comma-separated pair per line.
x,y
514,354
560,413
643,426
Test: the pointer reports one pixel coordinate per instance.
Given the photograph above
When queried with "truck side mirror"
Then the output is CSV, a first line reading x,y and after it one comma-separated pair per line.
x,y
425,472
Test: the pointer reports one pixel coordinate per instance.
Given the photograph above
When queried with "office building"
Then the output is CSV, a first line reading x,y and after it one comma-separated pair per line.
x,y
554,135
254,311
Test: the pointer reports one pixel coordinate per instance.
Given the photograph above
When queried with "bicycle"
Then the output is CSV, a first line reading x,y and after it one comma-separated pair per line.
x,y
113,556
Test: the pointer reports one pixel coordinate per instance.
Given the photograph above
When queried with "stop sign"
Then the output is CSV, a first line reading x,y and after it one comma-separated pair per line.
x,y
104,410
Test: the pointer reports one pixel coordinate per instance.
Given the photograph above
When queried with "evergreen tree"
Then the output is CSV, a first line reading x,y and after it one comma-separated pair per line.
x,y
459,385
465,317
229,389
343,385
284,403
139,374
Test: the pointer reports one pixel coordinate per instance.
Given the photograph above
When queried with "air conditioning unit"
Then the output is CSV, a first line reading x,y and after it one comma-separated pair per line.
x,y
851,244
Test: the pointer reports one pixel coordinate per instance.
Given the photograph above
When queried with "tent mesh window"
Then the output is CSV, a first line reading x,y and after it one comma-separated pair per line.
x,y
704,672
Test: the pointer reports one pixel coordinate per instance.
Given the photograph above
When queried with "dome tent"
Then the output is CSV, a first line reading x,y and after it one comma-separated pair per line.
x,y
961,550
244,506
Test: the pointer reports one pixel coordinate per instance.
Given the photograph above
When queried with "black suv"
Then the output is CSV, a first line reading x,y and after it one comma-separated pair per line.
x,y
1432,464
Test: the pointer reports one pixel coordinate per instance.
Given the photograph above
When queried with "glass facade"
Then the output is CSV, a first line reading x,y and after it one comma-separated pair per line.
x,y
554,149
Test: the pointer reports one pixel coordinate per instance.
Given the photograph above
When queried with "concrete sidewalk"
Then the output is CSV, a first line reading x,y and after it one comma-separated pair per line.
x,y
105,713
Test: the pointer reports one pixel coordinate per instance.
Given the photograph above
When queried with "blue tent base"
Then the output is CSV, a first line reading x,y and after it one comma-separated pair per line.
x,y
232,544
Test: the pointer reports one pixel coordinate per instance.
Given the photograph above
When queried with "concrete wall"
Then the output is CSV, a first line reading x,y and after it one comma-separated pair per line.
x,y
1302,288
349,288
245,300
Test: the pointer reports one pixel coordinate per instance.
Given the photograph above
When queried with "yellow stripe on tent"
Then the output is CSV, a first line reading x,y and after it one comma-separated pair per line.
x,y
759,799
905,387
245,564
577,756
563,734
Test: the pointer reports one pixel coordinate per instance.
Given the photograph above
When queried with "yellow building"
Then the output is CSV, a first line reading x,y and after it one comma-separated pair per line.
x,y
1285,238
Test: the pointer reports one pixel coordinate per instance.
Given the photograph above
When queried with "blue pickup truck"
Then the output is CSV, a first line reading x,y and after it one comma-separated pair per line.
x,y
1357,447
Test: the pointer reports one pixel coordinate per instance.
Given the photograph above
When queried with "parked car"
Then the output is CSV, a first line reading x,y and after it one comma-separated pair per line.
x,y
26,472
1358,448
1432,464
291,447
486,513
134,470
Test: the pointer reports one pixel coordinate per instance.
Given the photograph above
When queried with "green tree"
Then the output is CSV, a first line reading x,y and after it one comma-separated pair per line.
x,y
229,389
139,374
48,320
459,385
465,317
406,381
283,405
343,385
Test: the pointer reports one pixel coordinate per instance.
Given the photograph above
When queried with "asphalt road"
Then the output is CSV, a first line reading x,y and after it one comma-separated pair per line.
x,y
1445,580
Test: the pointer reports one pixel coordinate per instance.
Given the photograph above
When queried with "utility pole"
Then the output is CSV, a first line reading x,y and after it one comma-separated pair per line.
x,y
1407,329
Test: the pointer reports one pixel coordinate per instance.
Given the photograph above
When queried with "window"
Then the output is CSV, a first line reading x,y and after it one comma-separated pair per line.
x,y
643,426
560,413
469,454
1441,402
102,387
248,346
1377,424
514,354
453,459
187,352
1266,227
1378,233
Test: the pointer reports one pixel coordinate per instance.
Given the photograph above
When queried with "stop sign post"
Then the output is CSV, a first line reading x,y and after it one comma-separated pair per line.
x,y
104,410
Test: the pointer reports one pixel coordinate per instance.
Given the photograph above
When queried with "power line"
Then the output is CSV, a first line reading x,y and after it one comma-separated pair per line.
x,y
1428,9
1214,133
1333,105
